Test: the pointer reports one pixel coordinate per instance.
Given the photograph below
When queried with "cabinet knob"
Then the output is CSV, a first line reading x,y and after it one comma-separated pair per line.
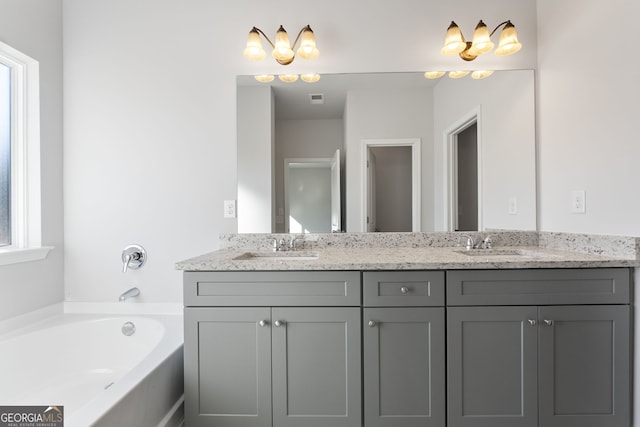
x,y
548,322
278,323
262,323
372,323
532,322
404,290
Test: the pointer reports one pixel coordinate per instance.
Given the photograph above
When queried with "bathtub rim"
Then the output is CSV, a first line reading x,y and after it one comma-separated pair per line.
x,y
168,313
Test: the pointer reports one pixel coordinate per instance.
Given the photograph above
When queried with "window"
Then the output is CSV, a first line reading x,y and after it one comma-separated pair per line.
x,y
20,216
5,155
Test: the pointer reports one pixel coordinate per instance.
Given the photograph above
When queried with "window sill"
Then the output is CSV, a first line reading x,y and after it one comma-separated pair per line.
x,y
15,256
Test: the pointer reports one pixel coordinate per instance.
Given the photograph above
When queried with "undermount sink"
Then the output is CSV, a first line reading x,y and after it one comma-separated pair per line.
x,y
278,256
497,253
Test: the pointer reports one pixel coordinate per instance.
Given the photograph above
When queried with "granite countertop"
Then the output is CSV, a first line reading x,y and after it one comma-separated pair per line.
x,y
438,254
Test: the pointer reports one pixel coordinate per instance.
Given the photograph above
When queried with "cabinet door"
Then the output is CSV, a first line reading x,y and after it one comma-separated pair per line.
x,y
227,367
404,366
492,366
584,366
317,367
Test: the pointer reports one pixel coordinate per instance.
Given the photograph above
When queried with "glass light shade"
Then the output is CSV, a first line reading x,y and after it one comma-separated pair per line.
x,y
457,74
288,78
508,41
310,78
433,74
282,51
481,42
453,41
481,74
254,50
264,78
308,49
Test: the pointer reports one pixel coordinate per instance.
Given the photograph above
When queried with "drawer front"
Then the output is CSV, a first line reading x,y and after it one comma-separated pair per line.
x,y
403,288
539,286
269,288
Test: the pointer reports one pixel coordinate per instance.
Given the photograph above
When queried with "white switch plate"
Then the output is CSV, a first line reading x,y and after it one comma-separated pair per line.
x,y
513,206
578,204
229,208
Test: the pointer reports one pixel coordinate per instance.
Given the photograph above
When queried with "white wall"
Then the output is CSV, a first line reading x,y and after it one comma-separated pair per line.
x,y
150,128
255,178
34,27
388,114
304,138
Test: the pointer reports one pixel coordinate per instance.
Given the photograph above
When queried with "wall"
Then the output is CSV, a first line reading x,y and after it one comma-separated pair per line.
x,y
34,27
255,177
149,111
300,139
389,114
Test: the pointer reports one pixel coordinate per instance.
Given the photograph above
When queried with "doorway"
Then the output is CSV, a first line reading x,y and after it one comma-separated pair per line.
x,y
463,211
391,185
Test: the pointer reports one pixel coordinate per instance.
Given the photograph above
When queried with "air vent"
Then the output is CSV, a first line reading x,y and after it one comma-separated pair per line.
x,y
316,98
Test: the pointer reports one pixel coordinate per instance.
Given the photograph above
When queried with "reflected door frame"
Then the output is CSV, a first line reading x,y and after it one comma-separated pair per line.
x,y
416,173
450,168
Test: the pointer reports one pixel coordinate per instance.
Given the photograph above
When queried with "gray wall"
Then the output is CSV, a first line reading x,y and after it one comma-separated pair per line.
x,y
34,27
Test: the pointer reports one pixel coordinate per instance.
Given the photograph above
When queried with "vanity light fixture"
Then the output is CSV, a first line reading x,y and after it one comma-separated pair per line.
x,y
282,50
264,78
433,74
455,43
458,74
310,78
481,74
288,78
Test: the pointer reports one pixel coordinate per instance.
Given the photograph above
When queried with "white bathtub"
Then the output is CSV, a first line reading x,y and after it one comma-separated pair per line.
x,y
83,361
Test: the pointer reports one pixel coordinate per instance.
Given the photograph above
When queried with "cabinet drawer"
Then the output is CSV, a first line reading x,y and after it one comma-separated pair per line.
x,y
403,288
268,288
539,286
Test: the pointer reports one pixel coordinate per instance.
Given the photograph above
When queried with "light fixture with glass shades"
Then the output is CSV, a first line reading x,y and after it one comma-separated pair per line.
x,y
455,43
282,50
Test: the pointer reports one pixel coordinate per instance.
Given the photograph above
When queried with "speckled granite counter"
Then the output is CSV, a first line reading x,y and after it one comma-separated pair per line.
x,y
420,251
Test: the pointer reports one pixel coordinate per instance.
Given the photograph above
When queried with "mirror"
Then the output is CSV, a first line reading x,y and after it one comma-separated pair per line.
x,y
346,112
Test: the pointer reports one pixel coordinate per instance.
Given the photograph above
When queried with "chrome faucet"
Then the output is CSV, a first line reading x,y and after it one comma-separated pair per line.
x,y
129,293
133,257
282,245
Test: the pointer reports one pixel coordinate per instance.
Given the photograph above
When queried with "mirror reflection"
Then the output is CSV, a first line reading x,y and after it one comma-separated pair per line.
x,y
467,163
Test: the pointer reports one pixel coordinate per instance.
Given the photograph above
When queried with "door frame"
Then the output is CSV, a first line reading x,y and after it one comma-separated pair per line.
x,y
416,161
450,167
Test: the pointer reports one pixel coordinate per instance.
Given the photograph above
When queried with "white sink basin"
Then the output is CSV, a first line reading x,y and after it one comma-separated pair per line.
x,y
278,256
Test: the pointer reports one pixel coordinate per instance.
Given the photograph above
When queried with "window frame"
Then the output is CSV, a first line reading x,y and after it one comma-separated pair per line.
x,y
26,233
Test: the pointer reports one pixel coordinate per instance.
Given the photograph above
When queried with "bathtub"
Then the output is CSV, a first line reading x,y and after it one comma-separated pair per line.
x,y
77,355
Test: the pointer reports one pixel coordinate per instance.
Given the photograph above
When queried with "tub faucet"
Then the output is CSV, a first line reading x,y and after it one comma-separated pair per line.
x,y
130,293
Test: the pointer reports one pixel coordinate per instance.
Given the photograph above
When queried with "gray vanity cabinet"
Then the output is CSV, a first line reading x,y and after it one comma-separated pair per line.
x,y
551,365
294,364
404,349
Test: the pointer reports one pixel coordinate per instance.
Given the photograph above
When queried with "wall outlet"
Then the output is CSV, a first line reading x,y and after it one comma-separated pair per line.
x,y
513,206
229,208
578,203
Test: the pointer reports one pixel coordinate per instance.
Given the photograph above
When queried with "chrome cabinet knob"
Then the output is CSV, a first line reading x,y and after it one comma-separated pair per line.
x,y
372,323
278,323
532,322
404,290
548,322
262,323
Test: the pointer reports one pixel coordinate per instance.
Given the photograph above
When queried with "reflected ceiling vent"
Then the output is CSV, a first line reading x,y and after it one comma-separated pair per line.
x,y
316,98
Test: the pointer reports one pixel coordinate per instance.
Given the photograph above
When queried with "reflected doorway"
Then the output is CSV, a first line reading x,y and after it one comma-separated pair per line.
x,y
391,185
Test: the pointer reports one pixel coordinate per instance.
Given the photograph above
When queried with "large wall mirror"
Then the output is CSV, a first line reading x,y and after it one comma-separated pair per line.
x,y
416,154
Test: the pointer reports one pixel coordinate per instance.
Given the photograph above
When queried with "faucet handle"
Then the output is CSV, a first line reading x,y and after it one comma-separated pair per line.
x,y
487,242
133,257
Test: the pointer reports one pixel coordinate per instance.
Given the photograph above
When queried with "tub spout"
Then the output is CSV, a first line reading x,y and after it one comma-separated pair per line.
x,y
133,292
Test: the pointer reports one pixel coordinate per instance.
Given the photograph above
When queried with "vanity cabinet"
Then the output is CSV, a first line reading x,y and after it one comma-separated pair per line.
x,y
294,362
538,348
404,349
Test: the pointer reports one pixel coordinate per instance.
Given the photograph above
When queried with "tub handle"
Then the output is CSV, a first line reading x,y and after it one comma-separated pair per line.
x,y
133,257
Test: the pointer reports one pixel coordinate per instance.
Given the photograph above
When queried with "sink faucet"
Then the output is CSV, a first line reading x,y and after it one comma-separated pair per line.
x,y
282,245
130,293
